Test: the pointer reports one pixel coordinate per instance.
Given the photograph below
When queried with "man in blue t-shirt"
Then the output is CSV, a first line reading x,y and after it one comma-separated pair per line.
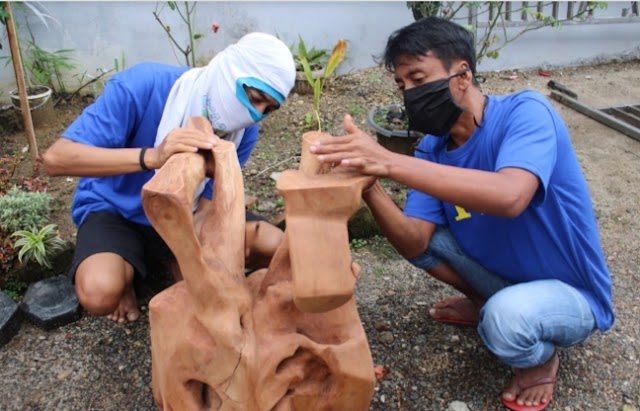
x,y
499,208
132,129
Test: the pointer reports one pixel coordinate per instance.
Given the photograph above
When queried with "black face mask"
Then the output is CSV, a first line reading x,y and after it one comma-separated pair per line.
x,y
430,108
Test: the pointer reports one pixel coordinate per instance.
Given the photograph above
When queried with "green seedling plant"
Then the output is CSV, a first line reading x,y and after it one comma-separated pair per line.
x,y
317,84
38,245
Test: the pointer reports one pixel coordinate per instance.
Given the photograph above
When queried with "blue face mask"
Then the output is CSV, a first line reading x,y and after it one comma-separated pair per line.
x,y
241,93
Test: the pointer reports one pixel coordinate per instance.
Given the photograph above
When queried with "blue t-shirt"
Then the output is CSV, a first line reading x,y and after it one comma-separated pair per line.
x,y
557,234
127,114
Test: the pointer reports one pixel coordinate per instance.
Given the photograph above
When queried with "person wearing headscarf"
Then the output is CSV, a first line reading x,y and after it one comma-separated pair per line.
x,y
130,131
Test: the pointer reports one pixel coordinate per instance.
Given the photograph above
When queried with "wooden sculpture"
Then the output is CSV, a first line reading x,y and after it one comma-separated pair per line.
x,y
288,337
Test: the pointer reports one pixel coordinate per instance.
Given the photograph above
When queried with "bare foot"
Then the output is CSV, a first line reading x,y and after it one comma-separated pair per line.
x,y
532,386
127,310
456,310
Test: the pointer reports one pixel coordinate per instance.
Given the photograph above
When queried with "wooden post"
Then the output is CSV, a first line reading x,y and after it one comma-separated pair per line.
x,y
27,122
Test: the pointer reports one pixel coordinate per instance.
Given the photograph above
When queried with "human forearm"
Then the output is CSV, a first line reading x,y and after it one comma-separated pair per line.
x,y
68,158
505,193
408,236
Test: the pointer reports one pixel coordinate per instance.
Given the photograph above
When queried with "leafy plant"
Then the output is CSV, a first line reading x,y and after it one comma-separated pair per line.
x,y
38,245
489,43
42,66
309,121
7,253
355,109
3,16
357,243
186,10
20,210
14,288
392,117
45,66
9,166
317,84
316,58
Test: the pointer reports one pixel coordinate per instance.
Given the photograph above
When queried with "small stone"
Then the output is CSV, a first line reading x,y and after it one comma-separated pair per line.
x,y
51,303
275,176
381,326
458,406
64,374
386,337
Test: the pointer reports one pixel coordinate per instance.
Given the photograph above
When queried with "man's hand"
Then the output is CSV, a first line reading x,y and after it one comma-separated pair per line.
x,y
180,140
356,150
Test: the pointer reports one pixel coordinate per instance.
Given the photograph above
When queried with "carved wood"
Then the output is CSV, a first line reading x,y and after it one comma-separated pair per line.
x,y
223,341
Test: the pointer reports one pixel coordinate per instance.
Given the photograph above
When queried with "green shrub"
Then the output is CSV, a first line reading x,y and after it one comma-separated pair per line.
x,y
22,210
38,245
14,289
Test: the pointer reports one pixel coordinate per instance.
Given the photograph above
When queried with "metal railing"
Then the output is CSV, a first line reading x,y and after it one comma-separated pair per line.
x,y
525,13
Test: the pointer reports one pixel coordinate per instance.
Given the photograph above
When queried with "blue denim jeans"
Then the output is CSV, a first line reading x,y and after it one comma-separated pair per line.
x,y
522,324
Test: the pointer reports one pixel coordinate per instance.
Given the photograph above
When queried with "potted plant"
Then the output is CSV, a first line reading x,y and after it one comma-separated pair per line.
x,y
317,60
391,126
37,64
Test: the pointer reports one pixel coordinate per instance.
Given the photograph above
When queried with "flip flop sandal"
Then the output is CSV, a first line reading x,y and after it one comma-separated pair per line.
x,y
514,406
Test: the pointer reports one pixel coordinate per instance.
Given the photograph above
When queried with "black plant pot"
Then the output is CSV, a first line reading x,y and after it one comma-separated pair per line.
x,y
392,137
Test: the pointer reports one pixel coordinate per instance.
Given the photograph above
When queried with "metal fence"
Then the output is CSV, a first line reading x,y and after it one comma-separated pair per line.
x,y
527,13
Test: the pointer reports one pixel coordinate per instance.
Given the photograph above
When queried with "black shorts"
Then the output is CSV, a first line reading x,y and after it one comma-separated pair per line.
x,y
105,232
140,245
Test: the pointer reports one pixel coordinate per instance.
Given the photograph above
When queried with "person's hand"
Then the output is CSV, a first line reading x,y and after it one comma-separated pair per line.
x,y
356,150
181,140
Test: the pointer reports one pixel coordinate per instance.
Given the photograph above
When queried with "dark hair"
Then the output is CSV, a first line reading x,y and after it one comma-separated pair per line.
x,y
448,41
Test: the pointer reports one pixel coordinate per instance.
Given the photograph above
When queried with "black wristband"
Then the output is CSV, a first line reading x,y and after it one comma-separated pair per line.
x,y
141,159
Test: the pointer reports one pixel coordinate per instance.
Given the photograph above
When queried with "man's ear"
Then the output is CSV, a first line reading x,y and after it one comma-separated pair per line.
x,y
466,78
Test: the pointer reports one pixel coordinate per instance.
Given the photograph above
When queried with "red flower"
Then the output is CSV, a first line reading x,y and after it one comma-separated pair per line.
x,y
215,27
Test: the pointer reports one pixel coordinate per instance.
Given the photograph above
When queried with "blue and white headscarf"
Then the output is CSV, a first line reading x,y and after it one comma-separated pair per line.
x,y
216,91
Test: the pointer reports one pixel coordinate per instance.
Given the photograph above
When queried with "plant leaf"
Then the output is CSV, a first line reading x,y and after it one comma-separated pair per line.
x,y
307,71
302,49
337,55
317,92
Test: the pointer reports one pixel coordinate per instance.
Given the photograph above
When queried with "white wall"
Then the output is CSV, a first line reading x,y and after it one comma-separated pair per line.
x,y
99,32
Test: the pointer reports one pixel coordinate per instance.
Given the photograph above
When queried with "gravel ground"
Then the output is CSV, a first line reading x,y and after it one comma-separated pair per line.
x,y
93,364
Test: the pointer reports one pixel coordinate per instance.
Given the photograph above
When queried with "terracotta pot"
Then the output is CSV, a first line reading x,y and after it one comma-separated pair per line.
x,y
399,141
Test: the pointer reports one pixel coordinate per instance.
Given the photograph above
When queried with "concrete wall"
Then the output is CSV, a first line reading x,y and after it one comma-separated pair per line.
x,y
100,32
